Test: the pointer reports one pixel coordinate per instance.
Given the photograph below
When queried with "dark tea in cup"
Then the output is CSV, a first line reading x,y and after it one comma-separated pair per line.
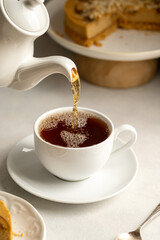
x,y
57,129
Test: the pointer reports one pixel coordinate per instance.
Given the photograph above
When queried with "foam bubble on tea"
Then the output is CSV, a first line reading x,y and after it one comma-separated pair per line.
x,y
57,129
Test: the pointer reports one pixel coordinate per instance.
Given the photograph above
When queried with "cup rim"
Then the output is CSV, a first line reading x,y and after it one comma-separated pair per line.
x,y
61,109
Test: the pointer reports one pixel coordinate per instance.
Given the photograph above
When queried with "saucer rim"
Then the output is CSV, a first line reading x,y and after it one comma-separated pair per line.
x,y
63,200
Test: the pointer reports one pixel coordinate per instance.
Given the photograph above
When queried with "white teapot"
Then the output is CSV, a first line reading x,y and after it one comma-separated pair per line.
x,y
21,22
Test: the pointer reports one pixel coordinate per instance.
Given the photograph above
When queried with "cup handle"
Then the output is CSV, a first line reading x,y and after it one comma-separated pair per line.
x,y
131,141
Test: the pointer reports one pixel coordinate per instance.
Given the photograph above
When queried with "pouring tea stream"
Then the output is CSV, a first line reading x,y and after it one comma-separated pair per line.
x,y
21,22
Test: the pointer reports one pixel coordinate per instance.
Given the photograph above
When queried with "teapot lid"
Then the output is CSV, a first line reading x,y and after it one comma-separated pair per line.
x,y
29,15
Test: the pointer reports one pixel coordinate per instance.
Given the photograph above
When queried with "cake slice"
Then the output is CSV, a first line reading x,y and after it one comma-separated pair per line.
x,y
5,223
88,21
139,14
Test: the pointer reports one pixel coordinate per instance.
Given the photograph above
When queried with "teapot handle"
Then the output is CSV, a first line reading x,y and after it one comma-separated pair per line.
x,y
33,72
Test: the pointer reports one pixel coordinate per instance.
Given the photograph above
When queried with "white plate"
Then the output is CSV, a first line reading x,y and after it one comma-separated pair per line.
x,y
123,45
27,171
25,218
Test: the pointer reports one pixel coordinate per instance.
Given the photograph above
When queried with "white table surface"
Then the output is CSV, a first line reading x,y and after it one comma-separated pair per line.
x,y
138,106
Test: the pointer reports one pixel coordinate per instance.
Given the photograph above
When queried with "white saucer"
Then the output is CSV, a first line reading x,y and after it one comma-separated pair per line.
x,y
122,45
26,170
25,218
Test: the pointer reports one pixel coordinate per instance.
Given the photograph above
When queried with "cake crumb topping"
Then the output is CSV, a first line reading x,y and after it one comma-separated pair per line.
x,y
95,9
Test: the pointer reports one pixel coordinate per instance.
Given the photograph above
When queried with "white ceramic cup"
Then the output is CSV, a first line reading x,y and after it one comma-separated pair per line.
x,y
75,164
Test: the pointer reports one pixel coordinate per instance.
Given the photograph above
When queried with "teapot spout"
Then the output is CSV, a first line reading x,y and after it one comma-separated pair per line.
x,y
34,71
